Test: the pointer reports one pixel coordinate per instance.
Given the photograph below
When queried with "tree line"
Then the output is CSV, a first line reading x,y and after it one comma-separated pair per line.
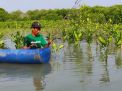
x,y
98,14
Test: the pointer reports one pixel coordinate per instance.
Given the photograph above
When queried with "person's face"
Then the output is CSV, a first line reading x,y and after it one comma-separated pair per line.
x,y
35,31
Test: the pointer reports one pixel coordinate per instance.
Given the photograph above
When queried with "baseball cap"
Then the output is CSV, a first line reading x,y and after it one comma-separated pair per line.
x,y
36,25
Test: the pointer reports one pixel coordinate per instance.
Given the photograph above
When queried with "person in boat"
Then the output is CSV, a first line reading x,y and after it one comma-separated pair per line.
x,y
35,39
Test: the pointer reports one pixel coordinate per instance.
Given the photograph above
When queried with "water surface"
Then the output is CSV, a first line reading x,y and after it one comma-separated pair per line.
x,y
70,69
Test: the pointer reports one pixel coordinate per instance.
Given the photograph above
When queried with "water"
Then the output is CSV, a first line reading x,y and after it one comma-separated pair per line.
x,y
70,69
9,44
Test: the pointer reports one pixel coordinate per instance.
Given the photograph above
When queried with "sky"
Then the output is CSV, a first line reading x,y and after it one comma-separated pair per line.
x,y
25,5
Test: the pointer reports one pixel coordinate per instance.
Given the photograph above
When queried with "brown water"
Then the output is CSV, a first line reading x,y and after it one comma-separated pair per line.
x,y
70,69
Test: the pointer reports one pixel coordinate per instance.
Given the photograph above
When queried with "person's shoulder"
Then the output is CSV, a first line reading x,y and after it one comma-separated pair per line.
x,y
40,35
28,35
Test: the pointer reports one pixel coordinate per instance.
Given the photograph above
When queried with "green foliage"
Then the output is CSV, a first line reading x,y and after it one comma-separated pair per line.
x,y
18,39
117,35
97,14
1,41
3,15
16,15
73,25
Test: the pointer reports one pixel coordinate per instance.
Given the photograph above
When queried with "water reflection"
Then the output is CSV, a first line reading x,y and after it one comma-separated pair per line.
x,y
118,58
37,72
105,75
72,69
85,63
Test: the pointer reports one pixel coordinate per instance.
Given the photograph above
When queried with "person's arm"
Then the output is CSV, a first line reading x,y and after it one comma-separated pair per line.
x,y
26,47
48,44
26,43
29,47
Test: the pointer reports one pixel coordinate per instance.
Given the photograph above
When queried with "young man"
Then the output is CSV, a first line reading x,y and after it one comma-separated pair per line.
x,y
35,39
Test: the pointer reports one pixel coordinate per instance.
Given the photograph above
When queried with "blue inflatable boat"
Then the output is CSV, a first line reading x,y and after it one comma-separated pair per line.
x,y
25,56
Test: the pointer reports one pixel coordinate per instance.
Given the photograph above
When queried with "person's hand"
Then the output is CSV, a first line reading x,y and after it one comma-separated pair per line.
x,y
33,45
25,47
49,42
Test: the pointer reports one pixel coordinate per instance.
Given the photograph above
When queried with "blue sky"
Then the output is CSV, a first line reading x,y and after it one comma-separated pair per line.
x,y
25,5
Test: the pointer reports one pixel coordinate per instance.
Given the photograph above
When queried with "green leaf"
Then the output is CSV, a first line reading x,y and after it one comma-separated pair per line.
x,y
1,42
61,46
119,42
110,38
101,40
76,36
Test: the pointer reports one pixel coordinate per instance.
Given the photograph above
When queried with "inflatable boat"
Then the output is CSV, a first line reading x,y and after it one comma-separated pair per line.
x,y
25,56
